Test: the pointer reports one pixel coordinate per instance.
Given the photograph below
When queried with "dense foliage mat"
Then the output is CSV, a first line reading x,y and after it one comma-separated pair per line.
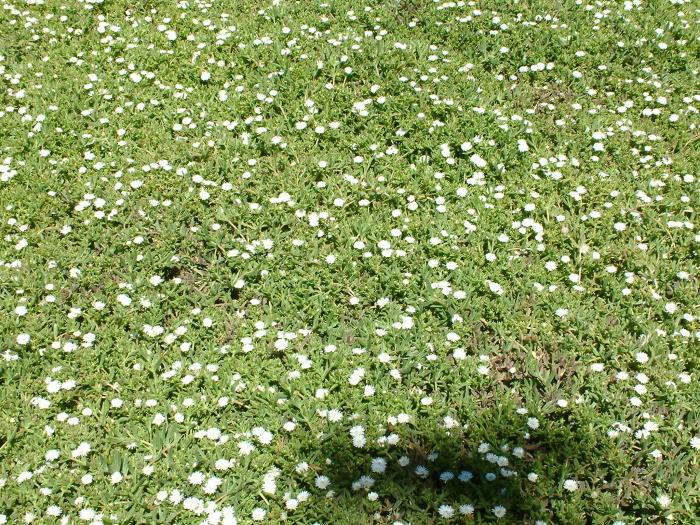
x,y
349,262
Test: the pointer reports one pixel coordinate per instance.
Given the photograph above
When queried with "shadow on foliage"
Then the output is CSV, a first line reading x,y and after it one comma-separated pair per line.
x,y
475,471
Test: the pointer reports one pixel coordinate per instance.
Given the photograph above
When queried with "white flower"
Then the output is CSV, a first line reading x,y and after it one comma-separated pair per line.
x,y
378,465
322,482
116,477
499,511
258,514
87,514
446,511
533,423
24,476
550,266
495,287
269,484
212,484
571,485
478,160
663,500
228,516
23,339
356,376
334,415
459,354
245,448
196,478
83,449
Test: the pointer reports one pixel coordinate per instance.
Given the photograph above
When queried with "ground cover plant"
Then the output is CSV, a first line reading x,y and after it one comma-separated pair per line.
x,y
328,262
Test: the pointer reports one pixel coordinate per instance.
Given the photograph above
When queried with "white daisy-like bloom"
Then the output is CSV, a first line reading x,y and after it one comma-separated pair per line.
x,y
663,500
196,478
245,448
54,511
334,415
378,465
322,482
478,160
82,450
87,514
212,484
356,376
446,511
571,485
495,287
